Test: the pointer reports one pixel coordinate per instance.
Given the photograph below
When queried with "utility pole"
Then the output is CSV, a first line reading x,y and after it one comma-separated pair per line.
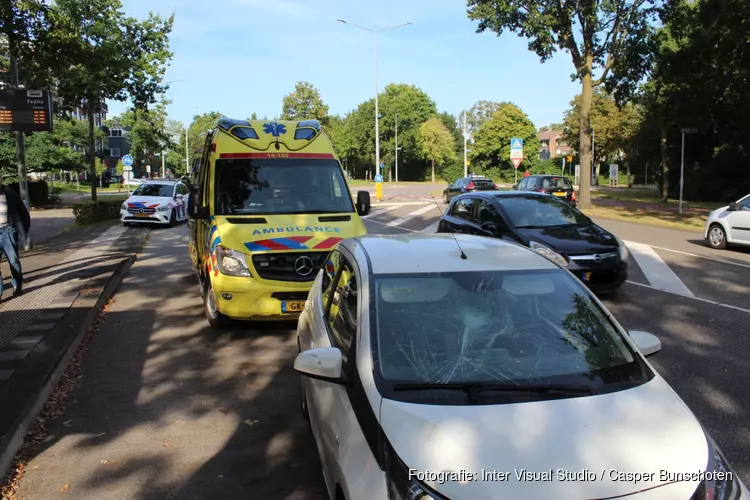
x,y
594,177
188,167
20,146
163,166
396,148
466,165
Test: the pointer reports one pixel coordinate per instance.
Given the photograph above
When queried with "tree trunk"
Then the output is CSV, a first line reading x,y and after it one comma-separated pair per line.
x,y
433,171
664,164
584,188
92,150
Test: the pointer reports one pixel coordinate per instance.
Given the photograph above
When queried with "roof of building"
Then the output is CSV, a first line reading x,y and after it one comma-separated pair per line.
x,y
435,253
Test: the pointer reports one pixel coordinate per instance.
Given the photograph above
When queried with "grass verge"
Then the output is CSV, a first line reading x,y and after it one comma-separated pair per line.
x,y
686,222
646,195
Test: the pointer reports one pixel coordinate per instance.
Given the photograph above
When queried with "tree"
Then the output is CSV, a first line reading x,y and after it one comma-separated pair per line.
x,y
304,103
147,131
479,113
491,148
451,124
607,35
199,126
99,54
553,127
413,107
612,125
436,143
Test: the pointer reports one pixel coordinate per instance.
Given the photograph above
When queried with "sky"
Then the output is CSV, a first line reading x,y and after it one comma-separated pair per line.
x,y
242,56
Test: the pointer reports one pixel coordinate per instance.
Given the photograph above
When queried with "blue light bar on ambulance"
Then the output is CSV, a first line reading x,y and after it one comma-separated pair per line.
x,y
244,133
307,130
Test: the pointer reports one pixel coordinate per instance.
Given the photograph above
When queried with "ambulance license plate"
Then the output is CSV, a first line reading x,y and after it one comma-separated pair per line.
x,y
560,193
292,307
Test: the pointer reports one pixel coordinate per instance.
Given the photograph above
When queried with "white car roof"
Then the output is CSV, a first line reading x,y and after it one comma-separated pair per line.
x,y
432,253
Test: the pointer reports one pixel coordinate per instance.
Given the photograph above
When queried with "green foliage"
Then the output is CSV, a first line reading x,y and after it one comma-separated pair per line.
x,y
120,168
491,148
479,113
436,143
196,138
613,126
88,212
147,132
304,103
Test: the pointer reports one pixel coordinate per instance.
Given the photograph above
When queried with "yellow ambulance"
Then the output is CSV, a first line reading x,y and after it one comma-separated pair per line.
x,y
270,201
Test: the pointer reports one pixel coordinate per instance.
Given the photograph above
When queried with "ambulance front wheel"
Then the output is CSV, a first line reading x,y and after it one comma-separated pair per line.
x,y
214,317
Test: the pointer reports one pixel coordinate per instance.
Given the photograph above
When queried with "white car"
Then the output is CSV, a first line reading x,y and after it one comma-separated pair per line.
x,y
729,225
159,202
430,371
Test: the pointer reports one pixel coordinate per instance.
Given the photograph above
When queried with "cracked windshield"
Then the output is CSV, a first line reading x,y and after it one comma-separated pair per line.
x,y
389,250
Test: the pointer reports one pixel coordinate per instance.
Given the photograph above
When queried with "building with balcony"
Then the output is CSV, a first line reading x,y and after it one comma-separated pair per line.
x,y
553,145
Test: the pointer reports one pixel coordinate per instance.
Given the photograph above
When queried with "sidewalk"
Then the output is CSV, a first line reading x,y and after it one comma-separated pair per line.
x,y
61,277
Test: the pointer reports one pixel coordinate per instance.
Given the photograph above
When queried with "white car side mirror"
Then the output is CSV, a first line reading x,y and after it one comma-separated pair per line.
x,y
322,364
647,343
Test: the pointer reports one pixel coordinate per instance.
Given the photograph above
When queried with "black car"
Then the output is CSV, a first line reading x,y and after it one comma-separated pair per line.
x,y
555,185
546,224
468,185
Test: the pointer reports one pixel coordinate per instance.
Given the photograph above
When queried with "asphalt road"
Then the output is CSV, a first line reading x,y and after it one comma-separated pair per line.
x,y
168,408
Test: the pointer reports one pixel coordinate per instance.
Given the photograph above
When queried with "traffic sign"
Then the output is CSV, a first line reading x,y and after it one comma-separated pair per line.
x,y
378,178
516,162
516,151
570,158
25,110
127,160
516,143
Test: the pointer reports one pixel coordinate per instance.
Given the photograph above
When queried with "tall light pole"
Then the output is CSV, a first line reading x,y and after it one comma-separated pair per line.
x,y
377,87
396,147
466,163
682,162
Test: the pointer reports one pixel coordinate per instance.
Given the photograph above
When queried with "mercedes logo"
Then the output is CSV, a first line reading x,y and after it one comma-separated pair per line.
x,y
303,266
141,210
597,258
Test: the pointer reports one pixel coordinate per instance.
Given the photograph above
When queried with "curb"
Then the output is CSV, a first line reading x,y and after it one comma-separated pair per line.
x,y
14,440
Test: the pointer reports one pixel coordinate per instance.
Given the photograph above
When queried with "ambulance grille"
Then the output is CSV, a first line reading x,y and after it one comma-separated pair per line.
x,y
289,266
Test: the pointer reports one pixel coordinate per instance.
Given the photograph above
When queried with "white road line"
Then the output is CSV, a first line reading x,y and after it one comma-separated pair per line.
x,y
731,263
432,228
712,302
387,224
409,216
657,272
378,211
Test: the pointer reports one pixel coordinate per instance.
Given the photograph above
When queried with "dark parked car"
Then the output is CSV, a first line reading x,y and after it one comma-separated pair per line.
x,y
468,185
548,225
555,185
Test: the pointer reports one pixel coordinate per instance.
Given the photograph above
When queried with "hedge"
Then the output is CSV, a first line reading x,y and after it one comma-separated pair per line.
x,y
88,212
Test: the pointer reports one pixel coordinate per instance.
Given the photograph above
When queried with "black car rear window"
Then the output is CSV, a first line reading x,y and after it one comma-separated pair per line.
x,y
483,182
556,183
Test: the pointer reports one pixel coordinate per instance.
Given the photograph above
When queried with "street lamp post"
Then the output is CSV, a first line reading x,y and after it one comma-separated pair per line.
x,y
682,162
377,112
466,164
396,148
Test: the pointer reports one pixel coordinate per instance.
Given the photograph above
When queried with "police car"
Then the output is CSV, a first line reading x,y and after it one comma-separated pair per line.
x,y
156,202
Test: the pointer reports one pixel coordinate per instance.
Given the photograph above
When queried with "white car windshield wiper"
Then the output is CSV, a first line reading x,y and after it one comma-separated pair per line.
x,y
478,387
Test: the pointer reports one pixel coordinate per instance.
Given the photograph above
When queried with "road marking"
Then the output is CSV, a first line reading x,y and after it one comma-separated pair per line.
x,y
657,272
39,327
706,301
731,263
378,211
386,224
432,228
23,342
409,216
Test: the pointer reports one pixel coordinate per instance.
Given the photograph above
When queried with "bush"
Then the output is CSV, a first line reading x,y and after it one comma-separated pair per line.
x,y
88,212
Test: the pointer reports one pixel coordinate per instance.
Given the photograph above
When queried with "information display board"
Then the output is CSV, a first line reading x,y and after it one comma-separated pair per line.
x,y
25,110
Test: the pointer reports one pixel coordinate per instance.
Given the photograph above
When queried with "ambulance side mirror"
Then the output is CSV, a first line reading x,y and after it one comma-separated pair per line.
x,y
195,210
363,202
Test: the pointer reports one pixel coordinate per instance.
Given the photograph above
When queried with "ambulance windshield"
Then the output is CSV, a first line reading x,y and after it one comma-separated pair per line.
x,y
280,187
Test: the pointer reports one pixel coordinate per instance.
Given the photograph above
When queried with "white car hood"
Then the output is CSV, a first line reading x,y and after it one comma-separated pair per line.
x,y
149,201
719,212
645,429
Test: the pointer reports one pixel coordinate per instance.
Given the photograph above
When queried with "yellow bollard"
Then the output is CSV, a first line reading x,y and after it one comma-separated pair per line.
x,y
379,191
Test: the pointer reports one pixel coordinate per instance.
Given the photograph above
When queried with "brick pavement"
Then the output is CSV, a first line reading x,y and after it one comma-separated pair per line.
x,y
54,274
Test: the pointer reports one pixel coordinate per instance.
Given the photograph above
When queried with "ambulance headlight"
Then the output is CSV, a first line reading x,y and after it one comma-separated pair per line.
x,y
231,262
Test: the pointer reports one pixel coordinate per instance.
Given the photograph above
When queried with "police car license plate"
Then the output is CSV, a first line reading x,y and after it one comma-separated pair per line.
x,y
560,193
143,216
292,307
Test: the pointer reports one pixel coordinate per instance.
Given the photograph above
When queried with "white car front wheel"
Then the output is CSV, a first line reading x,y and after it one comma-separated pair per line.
x,y
717,237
